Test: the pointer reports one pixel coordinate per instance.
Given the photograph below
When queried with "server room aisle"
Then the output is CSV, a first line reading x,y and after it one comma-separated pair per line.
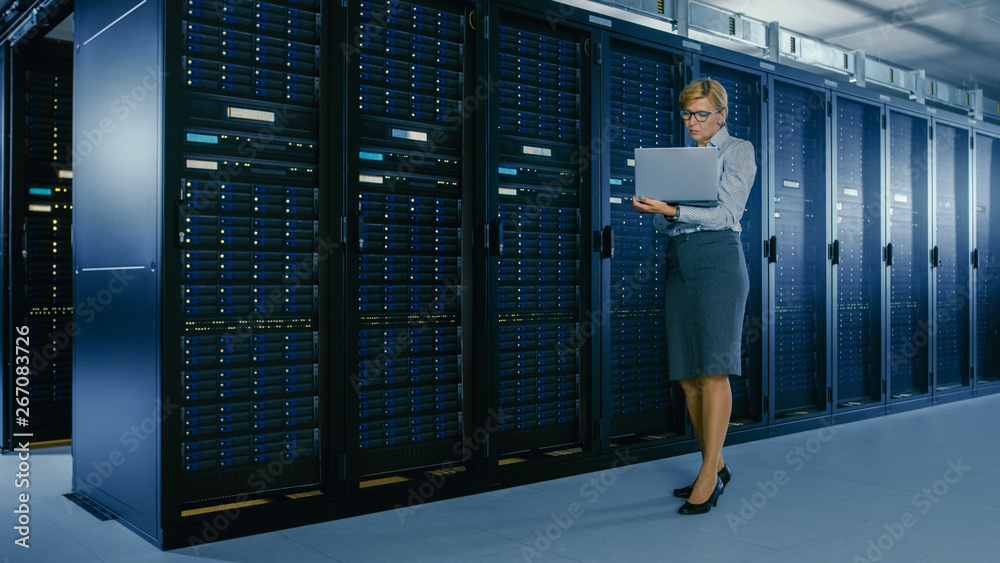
x,y
911,487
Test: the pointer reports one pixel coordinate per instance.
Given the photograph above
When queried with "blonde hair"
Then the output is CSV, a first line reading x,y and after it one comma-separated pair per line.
x,y
704,88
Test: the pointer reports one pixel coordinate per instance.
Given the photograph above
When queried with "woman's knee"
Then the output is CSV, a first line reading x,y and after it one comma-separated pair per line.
x,y
691,386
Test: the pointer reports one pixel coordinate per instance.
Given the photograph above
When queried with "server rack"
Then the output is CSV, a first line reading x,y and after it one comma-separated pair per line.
x,y
249,214
856,253
410,184
539,209
799,123
745,121
39,255
640,110
907,251
203,225
950,258
987,267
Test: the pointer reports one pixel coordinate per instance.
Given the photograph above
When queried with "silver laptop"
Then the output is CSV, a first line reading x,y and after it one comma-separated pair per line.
x,y
685,175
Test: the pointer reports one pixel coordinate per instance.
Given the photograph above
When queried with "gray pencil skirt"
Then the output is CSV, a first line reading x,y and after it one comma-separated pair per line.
x,y
706,295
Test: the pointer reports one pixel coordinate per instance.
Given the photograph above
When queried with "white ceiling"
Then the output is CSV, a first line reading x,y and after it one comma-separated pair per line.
x,y
956,41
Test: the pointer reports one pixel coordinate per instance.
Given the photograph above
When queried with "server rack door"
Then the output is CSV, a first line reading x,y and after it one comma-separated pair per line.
x,y
985,261
40,260
119,229
857,253
799,117
407,186
246,148
745,121
540,180
906,256
641,110
950,258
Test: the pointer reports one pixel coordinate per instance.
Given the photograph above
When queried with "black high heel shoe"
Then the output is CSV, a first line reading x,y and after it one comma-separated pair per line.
x,y
724,474
704,507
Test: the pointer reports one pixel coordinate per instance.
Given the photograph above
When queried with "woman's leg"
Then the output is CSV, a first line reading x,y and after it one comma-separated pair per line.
x,y
716,407
693,397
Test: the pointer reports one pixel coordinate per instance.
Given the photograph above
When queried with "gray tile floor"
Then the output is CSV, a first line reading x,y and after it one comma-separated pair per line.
x,y
912,487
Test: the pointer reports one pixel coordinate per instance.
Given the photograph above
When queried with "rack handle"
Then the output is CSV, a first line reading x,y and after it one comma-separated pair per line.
x,y
361,231
608,242
495,237
771,250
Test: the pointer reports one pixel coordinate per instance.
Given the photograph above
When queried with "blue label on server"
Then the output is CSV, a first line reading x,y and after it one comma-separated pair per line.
x,y
204,139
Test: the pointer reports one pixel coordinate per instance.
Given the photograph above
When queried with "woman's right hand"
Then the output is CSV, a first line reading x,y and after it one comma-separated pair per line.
x,y
644,204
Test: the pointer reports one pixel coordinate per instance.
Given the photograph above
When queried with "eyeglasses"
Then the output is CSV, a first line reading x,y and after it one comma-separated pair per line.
x,y
700,116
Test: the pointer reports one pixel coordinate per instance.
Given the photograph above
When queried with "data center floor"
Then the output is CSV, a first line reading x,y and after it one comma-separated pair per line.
x,y
911,487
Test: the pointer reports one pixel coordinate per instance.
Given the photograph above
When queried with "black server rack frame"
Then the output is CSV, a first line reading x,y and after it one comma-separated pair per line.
x,y
332,173
858,278
908,191
747,121
256,331
986,167
410,188
548,426
800,384
642,409
951,259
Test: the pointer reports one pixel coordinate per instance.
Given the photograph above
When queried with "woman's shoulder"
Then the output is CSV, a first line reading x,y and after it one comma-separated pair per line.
x,y
738,146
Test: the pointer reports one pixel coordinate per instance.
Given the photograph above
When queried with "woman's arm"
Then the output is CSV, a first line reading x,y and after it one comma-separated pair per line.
x,y
738,172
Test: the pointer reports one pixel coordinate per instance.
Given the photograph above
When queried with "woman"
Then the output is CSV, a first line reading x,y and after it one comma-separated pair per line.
x,y
706,288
